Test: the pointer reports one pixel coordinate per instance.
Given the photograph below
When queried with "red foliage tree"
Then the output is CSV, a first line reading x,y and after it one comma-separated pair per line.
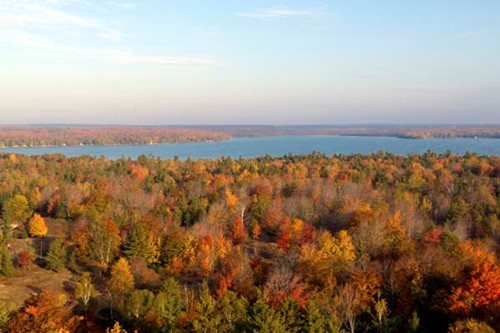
x,y
25,259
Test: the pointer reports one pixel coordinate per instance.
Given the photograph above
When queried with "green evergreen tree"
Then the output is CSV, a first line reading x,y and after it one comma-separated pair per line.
x,y
291,315
208,319
7,310
458,210
318,322
57,256
233,309
169,304
263,319
6,266
315,321
141,244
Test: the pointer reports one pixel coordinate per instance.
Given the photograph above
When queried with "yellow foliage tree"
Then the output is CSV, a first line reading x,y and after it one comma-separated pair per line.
x,y
320,261
397,235
121,279
339,248
37,226
231,199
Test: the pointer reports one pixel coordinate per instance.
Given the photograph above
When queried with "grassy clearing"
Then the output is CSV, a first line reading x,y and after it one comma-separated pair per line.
x,y
18,289
35,279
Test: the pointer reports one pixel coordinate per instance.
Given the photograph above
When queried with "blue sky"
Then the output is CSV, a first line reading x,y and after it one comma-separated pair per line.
x,y
259,62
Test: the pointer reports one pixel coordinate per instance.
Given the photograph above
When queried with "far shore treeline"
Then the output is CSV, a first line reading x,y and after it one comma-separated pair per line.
x,y
97,135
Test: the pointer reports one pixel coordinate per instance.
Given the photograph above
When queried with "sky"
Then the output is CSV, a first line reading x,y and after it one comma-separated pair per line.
x,y
249,62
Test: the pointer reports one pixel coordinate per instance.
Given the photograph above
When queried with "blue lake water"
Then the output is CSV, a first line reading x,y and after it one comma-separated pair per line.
x,y
279,146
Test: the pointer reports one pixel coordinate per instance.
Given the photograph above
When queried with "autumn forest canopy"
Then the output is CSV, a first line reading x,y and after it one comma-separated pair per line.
x,y
312,243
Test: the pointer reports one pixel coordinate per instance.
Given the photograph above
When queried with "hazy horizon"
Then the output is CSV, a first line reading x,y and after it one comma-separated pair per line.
x,y
360,124
254,63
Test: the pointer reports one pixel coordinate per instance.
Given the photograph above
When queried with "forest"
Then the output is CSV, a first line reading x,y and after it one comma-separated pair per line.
x,y
311,243
399,131
96,135
48,136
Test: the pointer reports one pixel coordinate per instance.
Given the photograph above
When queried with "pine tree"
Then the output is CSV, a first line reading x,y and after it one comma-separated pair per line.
x,y
169,303
7,310
291,315
262,318
233,309
56,257
142,243
6,266
315,321
208,319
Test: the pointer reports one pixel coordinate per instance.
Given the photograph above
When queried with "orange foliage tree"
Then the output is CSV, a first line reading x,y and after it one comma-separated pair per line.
x,y
238,231
45,313
480,289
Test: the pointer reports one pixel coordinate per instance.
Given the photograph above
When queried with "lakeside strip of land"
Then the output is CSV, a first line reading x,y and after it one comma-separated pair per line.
x,y
82,135
104,135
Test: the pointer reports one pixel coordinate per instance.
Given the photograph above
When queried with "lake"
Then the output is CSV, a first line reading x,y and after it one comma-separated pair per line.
x,y
279,146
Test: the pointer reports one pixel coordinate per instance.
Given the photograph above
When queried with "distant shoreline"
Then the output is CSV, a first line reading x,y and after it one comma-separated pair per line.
x,y
95,136
109,145
259,136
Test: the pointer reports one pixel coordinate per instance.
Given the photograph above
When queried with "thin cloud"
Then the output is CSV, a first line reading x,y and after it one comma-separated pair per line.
x,y
24,24
274,13
114,56
123,57
36,14
48,16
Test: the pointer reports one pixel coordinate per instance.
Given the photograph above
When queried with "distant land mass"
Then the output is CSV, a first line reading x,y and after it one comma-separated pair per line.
x,y
400,131
100,135
87,135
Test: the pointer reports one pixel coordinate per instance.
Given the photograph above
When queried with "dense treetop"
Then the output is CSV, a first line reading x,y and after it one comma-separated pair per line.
x,y
359,243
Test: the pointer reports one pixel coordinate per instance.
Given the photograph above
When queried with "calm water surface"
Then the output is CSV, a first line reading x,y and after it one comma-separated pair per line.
x,y
279,146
